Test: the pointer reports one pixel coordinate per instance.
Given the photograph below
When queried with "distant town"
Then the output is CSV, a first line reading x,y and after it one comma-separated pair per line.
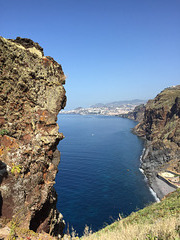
x,y
109,109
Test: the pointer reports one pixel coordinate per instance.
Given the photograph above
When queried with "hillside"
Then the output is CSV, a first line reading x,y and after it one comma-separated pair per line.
x,y
161,129
158,221
119,103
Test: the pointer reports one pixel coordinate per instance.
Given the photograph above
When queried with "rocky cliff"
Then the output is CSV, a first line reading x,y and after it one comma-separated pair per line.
x,y
137,114
161,128
31,96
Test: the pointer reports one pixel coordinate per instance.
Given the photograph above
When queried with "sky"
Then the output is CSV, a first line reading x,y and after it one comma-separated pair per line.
x,y
110,50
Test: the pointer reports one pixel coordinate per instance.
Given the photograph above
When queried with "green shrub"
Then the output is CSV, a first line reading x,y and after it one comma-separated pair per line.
x,y
4,132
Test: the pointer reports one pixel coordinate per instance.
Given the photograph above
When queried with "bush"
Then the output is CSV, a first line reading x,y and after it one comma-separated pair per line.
x,y
4,132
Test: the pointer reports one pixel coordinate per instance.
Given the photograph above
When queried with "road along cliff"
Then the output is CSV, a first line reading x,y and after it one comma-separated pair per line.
x,y
161,129
31,96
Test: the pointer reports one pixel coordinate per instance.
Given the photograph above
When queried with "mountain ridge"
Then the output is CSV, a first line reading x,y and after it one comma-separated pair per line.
x,y
119,103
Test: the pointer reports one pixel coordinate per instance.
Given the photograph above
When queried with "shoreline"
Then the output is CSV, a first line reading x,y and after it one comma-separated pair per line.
x,y
150,188
157,187
161,188
146,179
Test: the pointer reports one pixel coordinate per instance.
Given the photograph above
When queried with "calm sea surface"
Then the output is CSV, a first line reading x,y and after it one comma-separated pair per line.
x,y
99,173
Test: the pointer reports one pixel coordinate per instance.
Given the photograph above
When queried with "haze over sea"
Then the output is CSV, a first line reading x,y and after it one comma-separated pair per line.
x,y
99,173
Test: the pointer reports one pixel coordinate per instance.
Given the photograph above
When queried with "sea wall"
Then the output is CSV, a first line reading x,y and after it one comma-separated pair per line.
x,y
31,96
160,127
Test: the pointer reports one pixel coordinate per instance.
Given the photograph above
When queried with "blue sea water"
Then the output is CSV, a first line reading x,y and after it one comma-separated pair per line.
x,y
99,173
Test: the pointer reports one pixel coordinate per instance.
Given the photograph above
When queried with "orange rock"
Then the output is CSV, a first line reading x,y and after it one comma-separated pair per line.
x,y
1,151
9,142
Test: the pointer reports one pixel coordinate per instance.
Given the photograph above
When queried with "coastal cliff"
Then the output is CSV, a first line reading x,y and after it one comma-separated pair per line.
x,y
161,129
137,114
31,96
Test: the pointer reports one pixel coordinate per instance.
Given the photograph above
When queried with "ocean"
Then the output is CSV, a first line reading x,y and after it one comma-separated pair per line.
x,y
99,176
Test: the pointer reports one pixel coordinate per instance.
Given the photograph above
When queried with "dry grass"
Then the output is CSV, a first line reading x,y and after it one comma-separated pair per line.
x,y
159,221
166,229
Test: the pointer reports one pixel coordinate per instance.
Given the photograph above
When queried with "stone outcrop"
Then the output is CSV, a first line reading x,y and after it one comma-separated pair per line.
x,y
31,96
137,114
161,129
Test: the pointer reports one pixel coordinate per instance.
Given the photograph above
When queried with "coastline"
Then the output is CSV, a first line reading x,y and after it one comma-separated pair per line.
x,y
161,188
157,187
150,189
160,130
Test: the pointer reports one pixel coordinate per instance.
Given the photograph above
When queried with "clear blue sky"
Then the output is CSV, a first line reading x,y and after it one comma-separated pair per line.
x,y
109,49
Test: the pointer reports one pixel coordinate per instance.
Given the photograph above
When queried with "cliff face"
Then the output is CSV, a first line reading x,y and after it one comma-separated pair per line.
x,y
161,128
31,95
137,114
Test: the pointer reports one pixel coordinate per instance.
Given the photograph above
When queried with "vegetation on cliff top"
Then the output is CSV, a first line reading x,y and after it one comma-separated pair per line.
x,y
157,221
165,98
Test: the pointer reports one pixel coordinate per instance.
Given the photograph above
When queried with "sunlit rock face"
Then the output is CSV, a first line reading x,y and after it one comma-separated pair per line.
x,y
31,96
161,128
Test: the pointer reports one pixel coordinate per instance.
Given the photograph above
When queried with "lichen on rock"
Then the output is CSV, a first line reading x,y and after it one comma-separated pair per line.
x,y
31,96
